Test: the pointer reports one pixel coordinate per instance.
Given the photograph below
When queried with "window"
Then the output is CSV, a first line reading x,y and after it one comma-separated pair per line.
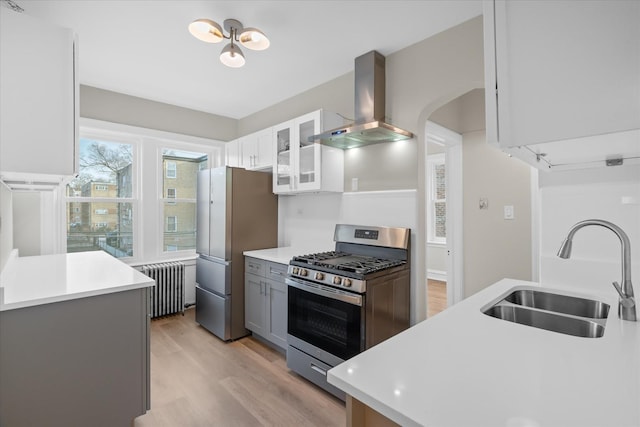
x,y
98,191
172,224
437,199
182,208
172,170
105,209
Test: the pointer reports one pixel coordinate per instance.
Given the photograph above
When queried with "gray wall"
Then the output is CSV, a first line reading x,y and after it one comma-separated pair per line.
x,y
115,107
464,114
494,248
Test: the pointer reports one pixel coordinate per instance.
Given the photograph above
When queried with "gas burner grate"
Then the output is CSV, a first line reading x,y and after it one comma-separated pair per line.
x,y
346,262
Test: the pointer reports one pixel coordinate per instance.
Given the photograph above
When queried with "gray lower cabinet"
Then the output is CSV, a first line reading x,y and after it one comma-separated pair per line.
x,y
82,362
265,300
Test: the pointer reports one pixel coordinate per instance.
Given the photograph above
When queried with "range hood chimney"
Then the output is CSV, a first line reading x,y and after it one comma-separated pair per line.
x,y
369,127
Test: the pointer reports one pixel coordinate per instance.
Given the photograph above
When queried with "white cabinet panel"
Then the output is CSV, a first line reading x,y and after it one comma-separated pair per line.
x,y
39,96
257,150
232,153
563,71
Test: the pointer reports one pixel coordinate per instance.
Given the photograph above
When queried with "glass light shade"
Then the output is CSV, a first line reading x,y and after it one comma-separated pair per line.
x,y
206,30
254,39
232,56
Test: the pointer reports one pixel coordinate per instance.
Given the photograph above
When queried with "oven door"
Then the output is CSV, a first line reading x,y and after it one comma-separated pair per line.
x,y
325,317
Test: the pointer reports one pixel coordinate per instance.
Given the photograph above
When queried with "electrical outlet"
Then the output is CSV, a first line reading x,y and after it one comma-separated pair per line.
x,y
354,184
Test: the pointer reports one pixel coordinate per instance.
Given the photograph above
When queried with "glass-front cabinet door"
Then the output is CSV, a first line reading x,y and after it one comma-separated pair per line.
x,y
297,159
284,164
308,171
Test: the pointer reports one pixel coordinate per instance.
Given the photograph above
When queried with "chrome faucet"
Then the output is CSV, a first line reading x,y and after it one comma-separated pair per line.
x,y
627,303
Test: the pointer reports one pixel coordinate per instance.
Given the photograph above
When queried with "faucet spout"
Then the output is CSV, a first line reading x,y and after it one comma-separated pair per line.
x,y
626,305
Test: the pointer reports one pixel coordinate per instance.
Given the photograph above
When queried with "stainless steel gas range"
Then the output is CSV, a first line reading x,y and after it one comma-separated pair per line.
x,y
345,301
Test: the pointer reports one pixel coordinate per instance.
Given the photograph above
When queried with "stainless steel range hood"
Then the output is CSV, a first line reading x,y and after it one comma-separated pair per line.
x,y
369,127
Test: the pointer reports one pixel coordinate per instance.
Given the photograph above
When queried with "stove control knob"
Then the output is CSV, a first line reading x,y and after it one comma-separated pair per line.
x,y
319,276
337,280
295,270
303,272
347,283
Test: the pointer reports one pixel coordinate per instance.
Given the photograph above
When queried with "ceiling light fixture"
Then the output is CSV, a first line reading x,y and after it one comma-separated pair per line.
x,y
231,55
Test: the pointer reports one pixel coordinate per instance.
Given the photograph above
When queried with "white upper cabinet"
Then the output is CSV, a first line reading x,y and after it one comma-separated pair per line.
x,y
232,153
563,81
38,97
303,166
257,150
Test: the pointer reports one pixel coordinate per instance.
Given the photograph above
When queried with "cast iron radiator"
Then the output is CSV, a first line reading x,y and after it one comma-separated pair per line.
x,y
167,296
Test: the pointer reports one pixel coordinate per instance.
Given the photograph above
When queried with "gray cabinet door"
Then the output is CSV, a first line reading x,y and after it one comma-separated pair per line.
x,y
276,310
254,316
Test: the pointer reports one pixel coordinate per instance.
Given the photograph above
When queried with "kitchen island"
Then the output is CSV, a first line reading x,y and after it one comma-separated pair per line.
x,y
464,368
74,341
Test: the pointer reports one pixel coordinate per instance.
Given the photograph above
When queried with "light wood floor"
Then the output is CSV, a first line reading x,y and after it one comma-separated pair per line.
x,y
436,297
198,380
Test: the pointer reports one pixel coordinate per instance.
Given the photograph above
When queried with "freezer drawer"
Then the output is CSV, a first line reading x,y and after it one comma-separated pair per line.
x,y
213,313
214,275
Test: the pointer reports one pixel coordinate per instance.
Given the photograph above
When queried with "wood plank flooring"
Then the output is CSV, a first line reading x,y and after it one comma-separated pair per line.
x,y
436,297
198,380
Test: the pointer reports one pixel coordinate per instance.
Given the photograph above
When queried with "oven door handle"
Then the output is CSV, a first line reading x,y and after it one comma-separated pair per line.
x,y
326,291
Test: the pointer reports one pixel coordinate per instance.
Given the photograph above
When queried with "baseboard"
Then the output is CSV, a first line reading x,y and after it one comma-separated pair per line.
x,y
437,275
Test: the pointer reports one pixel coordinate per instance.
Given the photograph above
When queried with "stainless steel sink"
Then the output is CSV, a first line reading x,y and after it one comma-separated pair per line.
x,y
580,317
559,303
549,321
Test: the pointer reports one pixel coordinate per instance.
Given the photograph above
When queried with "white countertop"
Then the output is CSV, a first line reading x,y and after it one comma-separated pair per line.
x,y
284,254
464,368
35,280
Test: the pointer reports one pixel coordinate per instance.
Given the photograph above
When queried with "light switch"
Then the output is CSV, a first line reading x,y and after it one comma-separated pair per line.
x,y
508,212
484,203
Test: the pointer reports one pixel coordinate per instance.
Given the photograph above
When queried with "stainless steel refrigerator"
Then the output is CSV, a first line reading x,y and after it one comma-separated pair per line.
x,y
237,211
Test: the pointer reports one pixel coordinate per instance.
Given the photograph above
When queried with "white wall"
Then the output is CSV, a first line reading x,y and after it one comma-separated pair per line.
x,y
611,194
307,221
6,224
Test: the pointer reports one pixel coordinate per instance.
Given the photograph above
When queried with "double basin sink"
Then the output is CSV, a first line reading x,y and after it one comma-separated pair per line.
x,y
564,314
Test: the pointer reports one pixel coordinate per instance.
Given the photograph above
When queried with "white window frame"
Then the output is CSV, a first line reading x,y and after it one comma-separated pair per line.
x,y
148,219
101,187
101,212
433,161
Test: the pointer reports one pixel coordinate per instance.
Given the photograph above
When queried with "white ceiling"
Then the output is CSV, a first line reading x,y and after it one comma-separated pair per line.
x,y
143,48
